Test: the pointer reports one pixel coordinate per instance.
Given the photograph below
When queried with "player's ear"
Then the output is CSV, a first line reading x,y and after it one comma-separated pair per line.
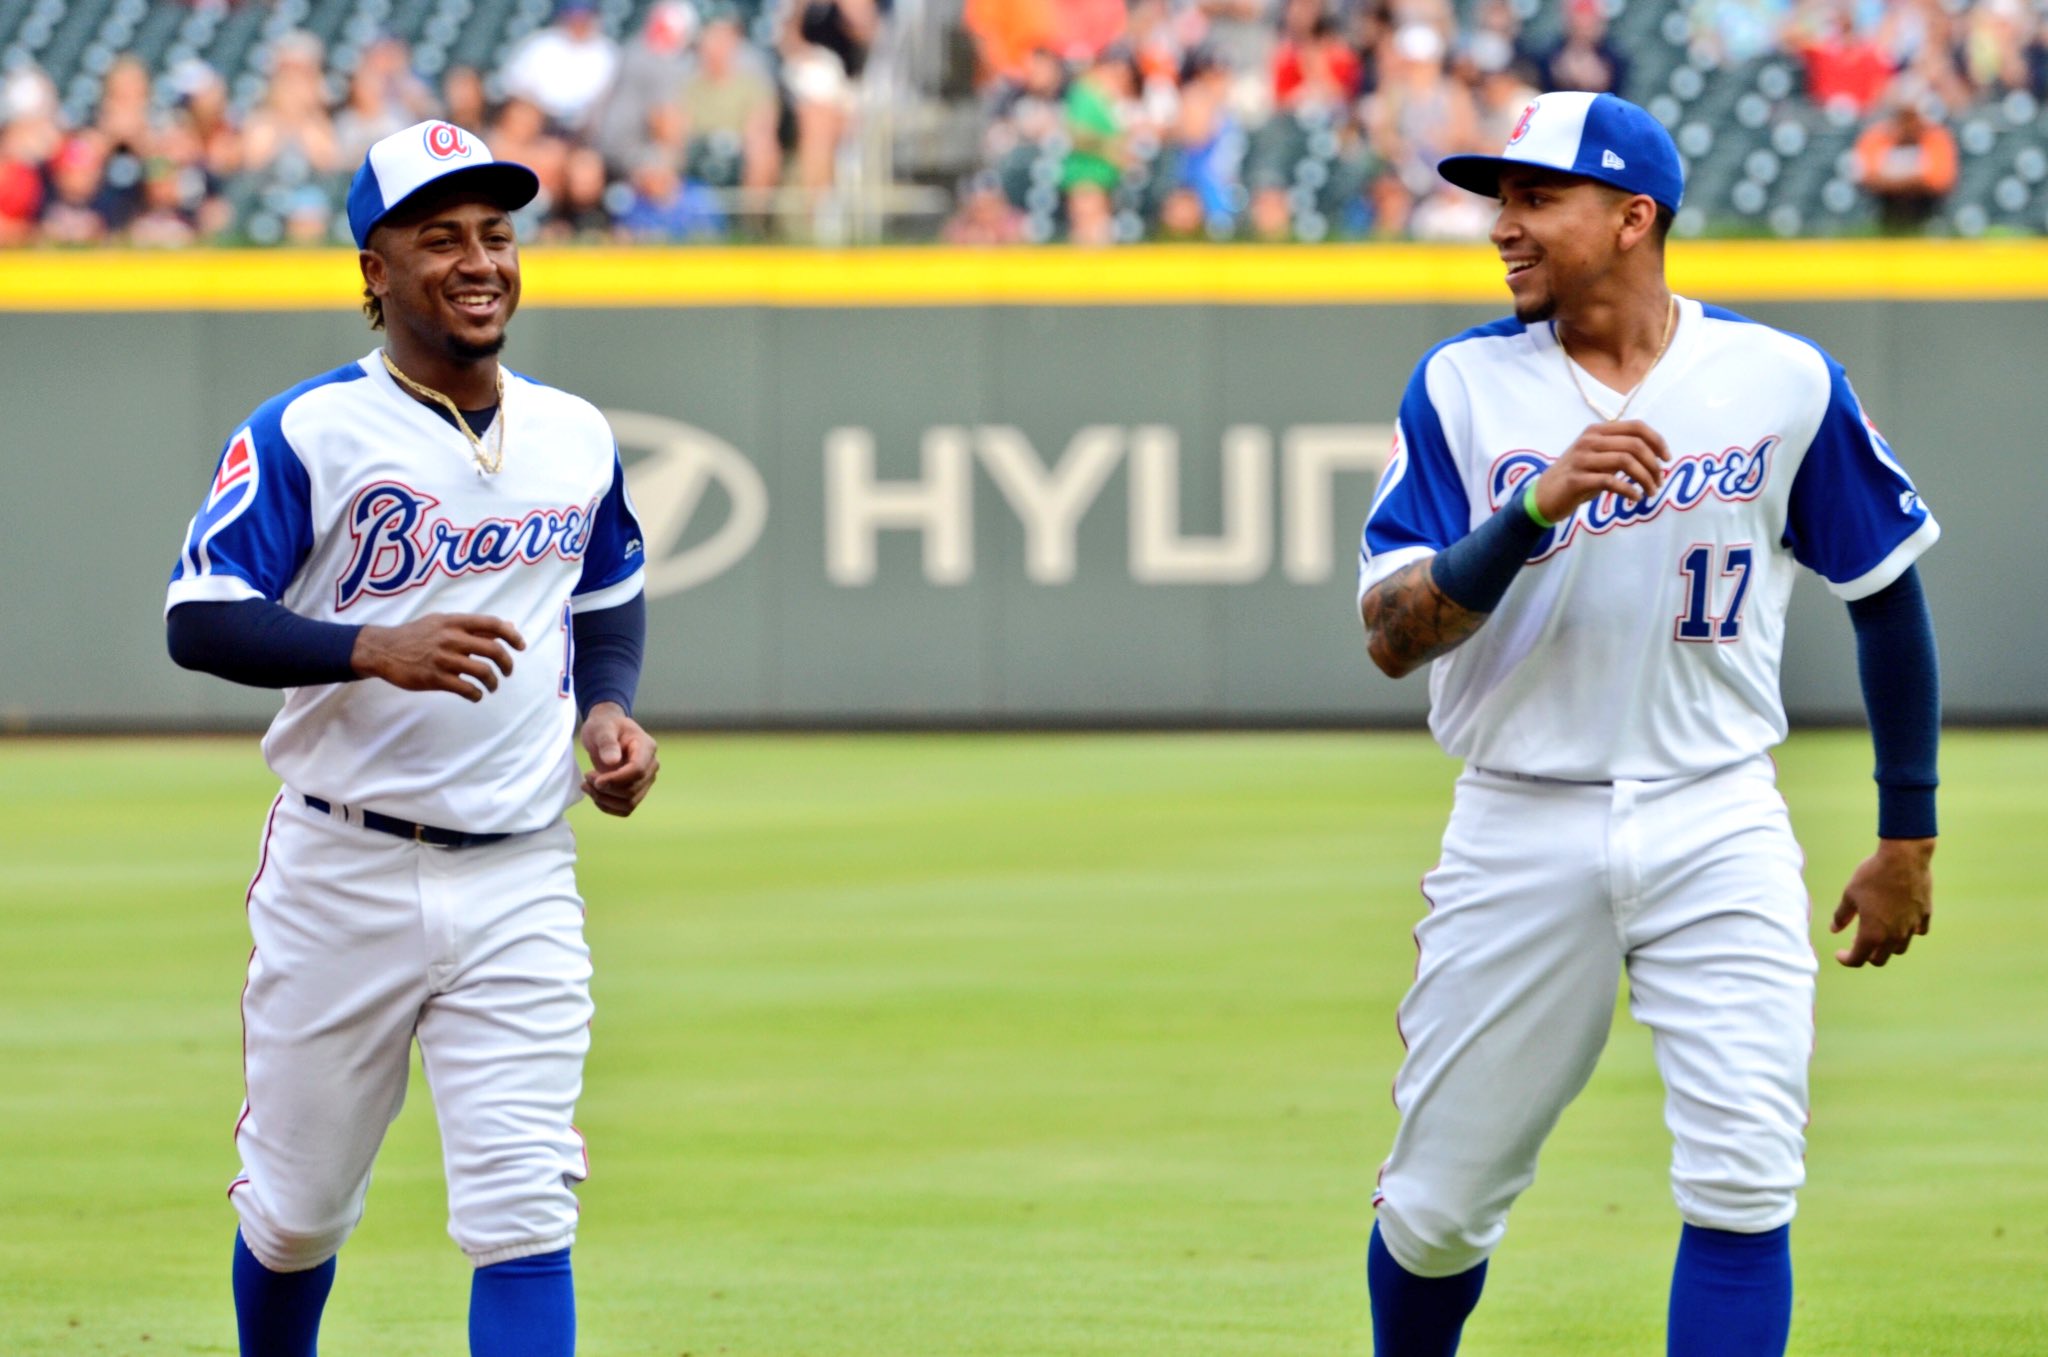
x,y
1638,221
374,276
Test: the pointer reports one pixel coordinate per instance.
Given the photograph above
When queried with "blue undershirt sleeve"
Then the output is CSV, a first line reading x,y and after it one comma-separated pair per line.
x,y
609,643
260,643
1895,658
1477,569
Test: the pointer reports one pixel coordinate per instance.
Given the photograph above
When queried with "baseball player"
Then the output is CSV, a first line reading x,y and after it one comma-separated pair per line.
x,y
1590,524
436,559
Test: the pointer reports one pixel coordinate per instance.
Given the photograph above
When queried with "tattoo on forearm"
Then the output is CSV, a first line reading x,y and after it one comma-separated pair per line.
x,y
1409,622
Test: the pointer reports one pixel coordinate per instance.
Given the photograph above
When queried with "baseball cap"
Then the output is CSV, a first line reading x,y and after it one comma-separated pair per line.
x,y
1597,136
435,155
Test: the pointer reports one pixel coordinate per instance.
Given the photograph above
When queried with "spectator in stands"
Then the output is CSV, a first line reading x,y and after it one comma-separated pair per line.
x,y
1907,161
985,216
1087,28
824,51
728,110
1994,48
1492,45
522,133
1499,97
1094,115
564,68
652,72
164,221
1736,31
21,180
579,214
369,116
462,99
290,138
1845,69
1008,35
1158,42
1585,58
1315,71
204,110
1205,151
666,208
1242,36
72,212
1418,117
2037,52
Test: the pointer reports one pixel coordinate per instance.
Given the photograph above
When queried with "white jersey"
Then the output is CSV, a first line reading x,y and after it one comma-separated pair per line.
x,y
1640,642
348,501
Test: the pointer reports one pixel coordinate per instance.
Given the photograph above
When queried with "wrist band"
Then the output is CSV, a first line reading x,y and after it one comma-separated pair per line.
x,y
1529,506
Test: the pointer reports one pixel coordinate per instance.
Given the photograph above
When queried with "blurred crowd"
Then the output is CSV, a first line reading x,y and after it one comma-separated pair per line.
x,y
1100,120
688,130
1308,119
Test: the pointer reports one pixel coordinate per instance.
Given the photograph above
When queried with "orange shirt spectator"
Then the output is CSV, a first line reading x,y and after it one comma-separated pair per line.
x,y
1908,164
1007,32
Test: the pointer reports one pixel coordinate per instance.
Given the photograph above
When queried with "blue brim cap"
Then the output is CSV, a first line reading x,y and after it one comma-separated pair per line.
x,y
1594,136
431,157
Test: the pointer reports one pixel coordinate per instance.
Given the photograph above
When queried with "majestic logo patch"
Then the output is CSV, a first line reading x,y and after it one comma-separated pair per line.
x,y
1522,123
398,547
1733,474
445,141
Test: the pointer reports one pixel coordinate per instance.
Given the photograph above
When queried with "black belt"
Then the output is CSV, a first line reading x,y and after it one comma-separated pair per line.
x,y
406,829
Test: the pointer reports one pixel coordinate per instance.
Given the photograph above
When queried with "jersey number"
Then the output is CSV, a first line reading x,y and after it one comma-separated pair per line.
x,y
1698,622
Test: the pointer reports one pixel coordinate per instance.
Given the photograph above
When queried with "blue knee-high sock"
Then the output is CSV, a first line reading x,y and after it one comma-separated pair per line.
x,y
1417,1316
1731,1294
278,1313
524,1308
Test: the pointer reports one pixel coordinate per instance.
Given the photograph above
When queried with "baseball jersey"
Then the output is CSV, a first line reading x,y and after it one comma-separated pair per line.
x,y
348,501
1640,641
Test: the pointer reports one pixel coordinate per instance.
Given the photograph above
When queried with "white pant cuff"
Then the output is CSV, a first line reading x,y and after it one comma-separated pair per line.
x,y
505,1253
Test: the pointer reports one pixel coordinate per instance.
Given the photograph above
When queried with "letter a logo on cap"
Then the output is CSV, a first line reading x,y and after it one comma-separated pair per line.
x,y
1522,123
445,141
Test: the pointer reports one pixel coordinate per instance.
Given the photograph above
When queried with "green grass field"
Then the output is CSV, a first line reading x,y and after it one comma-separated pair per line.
x,y
938,1046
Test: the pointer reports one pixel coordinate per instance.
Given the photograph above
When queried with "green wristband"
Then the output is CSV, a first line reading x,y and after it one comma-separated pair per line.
x,y
1529,506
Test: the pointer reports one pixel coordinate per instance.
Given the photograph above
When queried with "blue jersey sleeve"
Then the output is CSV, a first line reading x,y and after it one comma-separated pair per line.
x,y
1854,518
255,527
613,562
1420,506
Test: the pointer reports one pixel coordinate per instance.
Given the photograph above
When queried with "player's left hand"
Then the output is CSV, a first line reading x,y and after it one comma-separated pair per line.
x,y
1891,897
622,762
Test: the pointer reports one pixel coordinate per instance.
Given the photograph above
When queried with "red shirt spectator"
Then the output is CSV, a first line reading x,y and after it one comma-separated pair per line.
x,y
1842,68
1324,66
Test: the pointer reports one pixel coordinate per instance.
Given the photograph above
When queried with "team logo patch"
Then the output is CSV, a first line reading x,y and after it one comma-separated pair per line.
x,y
237,473
1734,475
1610,161
1522,123
445,141
399,547
233,490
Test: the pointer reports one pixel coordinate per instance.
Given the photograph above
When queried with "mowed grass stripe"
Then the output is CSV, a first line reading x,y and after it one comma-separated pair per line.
x,y
1000,1045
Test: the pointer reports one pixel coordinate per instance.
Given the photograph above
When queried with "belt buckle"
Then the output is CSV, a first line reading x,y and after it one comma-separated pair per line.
x,y
419,833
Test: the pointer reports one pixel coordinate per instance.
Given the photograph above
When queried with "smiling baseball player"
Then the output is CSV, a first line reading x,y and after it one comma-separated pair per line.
x,y
1591,525
437,560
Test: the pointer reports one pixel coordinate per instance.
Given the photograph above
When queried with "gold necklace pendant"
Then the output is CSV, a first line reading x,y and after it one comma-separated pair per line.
x,y
1571,369
489,465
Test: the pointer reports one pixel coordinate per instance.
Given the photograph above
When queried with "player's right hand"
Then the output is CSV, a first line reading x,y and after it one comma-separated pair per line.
x,y
1625,456
439,653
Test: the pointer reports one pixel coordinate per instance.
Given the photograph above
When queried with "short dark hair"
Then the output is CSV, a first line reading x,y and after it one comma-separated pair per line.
x,y
373,308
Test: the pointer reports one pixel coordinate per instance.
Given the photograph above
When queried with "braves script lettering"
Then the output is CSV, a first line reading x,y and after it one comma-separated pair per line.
x,y
1734,474
398,547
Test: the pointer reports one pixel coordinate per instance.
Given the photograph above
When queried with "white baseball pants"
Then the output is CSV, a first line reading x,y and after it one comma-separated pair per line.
x,y
366,941
1547,891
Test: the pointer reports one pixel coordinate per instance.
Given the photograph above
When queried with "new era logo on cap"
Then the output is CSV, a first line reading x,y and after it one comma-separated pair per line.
x,y
1598,136
431,154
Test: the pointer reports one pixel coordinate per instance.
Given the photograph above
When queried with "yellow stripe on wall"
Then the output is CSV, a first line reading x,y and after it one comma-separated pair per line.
x,y
1722,271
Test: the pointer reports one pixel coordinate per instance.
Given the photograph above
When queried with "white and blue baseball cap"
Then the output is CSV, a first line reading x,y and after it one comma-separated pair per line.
x,y
1596,136
431,154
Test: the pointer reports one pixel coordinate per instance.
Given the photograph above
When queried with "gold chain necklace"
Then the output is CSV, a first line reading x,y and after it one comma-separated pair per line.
x,y
1572,369
485,466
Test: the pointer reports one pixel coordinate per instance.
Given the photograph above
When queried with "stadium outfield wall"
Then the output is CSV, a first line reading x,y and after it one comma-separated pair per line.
x,y
909,486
